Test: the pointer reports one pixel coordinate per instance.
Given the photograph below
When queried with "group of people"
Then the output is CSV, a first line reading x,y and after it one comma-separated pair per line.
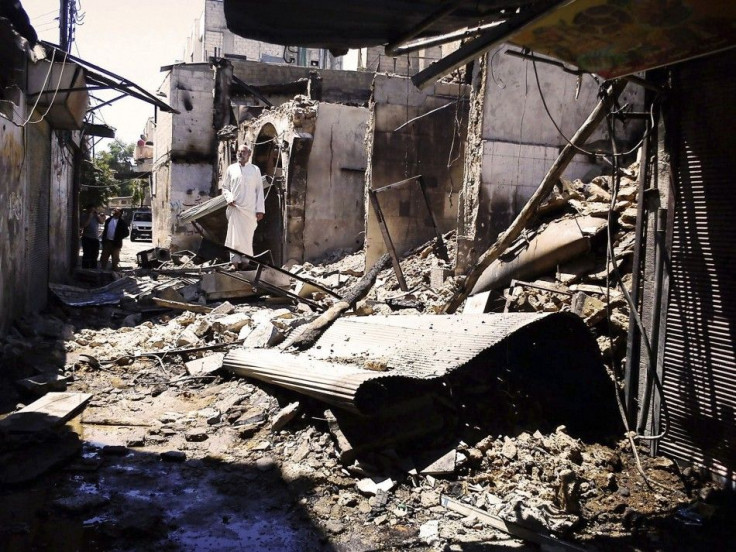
x,y
114,230
242,187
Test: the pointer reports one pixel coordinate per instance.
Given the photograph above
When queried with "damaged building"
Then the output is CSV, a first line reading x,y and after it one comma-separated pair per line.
x,y
495,309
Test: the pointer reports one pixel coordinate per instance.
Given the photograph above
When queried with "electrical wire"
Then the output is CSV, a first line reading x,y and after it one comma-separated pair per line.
x,y
610,258
564,137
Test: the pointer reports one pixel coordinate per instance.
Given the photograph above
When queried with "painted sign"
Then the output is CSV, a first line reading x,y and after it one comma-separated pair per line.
x,y
619,37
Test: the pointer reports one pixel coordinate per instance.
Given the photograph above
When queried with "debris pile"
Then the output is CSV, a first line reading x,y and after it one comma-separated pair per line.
x,y
563,264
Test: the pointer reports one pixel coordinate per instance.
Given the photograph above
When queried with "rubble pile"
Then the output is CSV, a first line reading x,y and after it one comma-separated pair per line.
x,y
586,284
152,365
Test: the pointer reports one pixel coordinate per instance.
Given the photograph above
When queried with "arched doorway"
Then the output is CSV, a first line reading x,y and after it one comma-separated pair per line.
x,y
267,154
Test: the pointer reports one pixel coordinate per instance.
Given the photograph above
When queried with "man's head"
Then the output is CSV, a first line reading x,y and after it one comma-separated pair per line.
x,y
116,213
243,154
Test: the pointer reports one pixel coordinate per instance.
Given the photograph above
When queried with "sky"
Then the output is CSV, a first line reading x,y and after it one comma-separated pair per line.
x,y
131,38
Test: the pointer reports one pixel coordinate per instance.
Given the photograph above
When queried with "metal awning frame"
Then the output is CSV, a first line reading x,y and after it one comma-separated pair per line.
x,y
102,79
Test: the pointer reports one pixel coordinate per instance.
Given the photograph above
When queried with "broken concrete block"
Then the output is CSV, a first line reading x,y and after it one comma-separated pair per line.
x,y
285,415
438,275
231,322
589,308
206,365
222,309
372,486
201,326
187,338
306,290
264,335
441,465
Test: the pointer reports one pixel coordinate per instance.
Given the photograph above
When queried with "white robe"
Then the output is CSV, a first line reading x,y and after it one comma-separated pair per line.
x,y
242,186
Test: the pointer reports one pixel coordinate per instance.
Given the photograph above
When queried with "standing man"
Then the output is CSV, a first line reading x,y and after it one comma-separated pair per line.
x,y
89,229
243,190
112,239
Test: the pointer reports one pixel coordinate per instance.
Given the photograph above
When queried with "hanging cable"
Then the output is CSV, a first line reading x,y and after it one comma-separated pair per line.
x,y
610,259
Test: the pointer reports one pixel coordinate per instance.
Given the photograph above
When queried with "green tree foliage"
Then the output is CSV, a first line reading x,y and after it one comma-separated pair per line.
x,y
99,177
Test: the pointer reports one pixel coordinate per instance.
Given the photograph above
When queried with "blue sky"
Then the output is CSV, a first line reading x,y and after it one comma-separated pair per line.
x,y
132,38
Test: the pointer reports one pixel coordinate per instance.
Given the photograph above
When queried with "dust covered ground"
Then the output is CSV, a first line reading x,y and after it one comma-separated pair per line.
x,y
169,460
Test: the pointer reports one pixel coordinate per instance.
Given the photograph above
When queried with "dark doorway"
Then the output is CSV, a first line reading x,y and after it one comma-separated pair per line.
x,y
269,236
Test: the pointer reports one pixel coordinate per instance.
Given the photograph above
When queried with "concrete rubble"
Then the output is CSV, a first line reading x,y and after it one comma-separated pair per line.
x,y
164,423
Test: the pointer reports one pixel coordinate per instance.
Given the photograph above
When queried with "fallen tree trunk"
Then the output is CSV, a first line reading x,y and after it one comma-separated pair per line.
x,y
544,189
305,336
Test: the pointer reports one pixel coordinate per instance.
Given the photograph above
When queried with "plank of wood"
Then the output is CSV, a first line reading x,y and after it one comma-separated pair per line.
x,y
508,527
178,305
53,409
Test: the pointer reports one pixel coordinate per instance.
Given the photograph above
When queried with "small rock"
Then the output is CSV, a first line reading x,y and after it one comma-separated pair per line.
x,y
334,527
196,436
509,449
286,414
173,456
265,464
114,450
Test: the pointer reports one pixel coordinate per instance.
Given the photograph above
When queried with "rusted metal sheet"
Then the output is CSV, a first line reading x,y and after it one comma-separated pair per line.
x,y
559,242
367,364
699,358
110,294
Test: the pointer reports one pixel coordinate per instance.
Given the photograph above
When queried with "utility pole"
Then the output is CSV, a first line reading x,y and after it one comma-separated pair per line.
x,y
67,20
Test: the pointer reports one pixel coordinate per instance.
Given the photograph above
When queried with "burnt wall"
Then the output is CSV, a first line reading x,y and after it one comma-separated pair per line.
x,y
407,140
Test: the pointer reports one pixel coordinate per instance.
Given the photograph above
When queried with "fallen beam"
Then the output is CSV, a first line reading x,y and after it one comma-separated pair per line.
x,y
545,187
305,336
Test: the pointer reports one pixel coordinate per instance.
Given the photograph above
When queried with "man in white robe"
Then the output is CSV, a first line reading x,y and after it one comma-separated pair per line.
x,y
242,188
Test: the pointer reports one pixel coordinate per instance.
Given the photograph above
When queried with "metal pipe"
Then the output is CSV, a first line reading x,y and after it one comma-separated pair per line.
x,y
472,50
445,9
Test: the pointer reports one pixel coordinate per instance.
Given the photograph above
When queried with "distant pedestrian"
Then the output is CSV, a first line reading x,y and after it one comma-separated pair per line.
x,y
112,239
242,188
89,230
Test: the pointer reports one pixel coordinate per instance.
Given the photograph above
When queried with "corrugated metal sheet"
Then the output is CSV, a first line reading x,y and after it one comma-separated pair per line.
x,y
111,294
366,364
699,361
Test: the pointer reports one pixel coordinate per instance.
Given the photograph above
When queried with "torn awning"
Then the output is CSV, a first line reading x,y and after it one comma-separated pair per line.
x,y
614,38
97,78
339,25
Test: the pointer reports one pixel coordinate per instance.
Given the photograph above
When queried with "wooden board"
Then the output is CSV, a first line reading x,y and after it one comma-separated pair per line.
x,y
51,410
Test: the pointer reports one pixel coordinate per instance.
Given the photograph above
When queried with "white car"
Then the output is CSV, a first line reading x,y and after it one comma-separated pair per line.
x,y
141,225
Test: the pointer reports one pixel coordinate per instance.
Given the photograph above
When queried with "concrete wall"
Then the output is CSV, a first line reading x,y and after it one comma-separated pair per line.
x,y
36,221
184,154
424,147
13,198
191,92
62,237
513,141
337,86
335,186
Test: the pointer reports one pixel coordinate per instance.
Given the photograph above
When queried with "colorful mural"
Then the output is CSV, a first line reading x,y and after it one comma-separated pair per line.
x,y
620,37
